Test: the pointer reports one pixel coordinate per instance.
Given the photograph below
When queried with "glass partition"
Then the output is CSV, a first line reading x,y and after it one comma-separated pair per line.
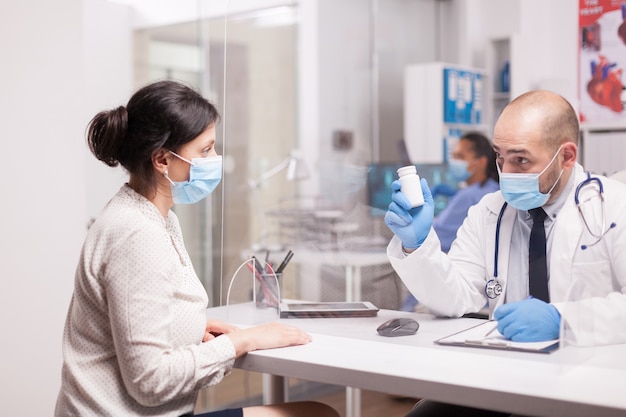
x,y
311,95
244,62
346,116
311,98
261,132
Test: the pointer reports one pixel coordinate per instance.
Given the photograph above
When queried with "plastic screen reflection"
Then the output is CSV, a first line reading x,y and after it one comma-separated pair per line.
x,y
380,177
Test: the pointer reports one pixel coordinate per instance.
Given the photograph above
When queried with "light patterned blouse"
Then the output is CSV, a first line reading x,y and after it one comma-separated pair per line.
x,y
132,344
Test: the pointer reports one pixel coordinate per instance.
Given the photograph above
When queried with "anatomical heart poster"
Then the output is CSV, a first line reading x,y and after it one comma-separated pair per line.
x,y
602,40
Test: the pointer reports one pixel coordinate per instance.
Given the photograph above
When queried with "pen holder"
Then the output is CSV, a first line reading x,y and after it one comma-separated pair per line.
x,y
268,290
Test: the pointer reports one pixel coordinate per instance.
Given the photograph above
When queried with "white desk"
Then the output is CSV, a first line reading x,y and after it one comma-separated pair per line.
x,y
349,352
352,262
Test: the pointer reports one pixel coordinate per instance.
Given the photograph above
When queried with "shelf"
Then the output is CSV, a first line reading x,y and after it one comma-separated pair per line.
x,y
498,54
603,126
465,126
501,96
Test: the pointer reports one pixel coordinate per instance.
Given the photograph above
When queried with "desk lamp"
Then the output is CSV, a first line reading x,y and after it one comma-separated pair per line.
x,y
296,170
294,164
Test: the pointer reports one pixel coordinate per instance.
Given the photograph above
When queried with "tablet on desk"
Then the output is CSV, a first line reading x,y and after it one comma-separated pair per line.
x,y
328,309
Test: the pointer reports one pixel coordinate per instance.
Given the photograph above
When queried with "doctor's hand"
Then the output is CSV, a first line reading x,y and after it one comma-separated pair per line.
x,y
411,225
530,320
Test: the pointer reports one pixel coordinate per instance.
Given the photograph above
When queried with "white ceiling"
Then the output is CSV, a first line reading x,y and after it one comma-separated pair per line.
x,y
150,13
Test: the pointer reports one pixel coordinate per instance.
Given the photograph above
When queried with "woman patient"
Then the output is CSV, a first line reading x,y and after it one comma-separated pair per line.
x,y
136,339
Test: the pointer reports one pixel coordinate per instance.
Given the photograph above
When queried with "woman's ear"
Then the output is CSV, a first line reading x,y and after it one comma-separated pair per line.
x,y
160,160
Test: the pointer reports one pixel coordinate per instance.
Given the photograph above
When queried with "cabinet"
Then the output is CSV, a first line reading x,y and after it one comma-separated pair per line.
x,y
509,51
441,103
602,150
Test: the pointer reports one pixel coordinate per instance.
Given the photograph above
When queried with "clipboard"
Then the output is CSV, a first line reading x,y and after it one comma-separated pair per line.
x,y
484,336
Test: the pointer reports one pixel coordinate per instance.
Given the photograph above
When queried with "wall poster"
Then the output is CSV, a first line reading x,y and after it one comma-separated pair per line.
x,y
602,40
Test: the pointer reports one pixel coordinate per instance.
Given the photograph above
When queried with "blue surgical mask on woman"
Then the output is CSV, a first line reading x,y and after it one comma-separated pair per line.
x,y
458,169
204,176
522,190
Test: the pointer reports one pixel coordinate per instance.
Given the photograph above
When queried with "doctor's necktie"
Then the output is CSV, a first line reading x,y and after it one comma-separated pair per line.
x,y
537,266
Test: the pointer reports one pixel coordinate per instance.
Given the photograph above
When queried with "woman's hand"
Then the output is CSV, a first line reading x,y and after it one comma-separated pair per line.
x,y
267,336
215,328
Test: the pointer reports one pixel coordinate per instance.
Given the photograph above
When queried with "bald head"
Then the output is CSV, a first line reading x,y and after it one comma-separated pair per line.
x,y
550,116
537,133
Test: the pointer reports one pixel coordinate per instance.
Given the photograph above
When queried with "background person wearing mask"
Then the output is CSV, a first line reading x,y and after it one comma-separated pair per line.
x,y
536,144
474,164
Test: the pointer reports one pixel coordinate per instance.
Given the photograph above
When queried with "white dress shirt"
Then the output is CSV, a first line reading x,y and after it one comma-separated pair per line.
x,y
518,265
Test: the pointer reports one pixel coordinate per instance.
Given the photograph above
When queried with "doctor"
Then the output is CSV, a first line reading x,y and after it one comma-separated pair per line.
x,y
535,140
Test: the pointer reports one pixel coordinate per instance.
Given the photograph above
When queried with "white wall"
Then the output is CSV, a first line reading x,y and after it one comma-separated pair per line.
x,y
361,52
42,213
150,13
551,32
108,69
44,107
549,35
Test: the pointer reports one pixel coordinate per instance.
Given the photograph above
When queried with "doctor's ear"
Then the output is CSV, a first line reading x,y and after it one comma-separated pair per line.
x,y
570,154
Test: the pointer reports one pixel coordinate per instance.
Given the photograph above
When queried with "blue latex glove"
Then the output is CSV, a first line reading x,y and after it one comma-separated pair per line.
x,y
530,320
444,190
411,225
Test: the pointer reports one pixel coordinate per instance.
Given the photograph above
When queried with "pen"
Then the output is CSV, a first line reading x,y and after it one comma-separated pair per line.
x,y
267,258
490,331
256,273
257,265
285,261
495,328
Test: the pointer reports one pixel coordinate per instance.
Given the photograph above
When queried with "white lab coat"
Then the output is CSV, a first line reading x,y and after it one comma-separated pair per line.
x,y
588,287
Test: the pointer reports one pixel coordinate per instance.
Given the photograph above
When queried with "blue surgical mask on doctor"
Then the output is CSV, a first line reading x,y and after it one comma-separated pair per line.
x,y
204,176
457,168
522,190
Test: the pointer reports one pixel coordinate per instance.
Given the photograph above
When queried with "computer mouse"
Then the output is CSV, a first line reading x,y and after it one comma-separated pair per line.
x,y
403,326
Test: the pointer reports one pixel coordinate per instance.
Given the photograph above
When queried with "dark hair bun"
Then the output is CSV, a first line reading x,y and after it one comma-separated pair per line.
x,y
105,134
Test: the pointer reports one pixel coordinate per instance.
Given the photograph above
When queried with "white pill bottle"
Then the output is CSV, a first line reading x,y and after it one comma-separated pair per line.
x,y
410,185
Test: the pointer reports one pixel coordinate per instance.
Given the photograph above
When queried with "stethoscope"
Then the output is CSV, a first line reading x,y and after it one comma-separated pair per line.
x,y
604,230
493,288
